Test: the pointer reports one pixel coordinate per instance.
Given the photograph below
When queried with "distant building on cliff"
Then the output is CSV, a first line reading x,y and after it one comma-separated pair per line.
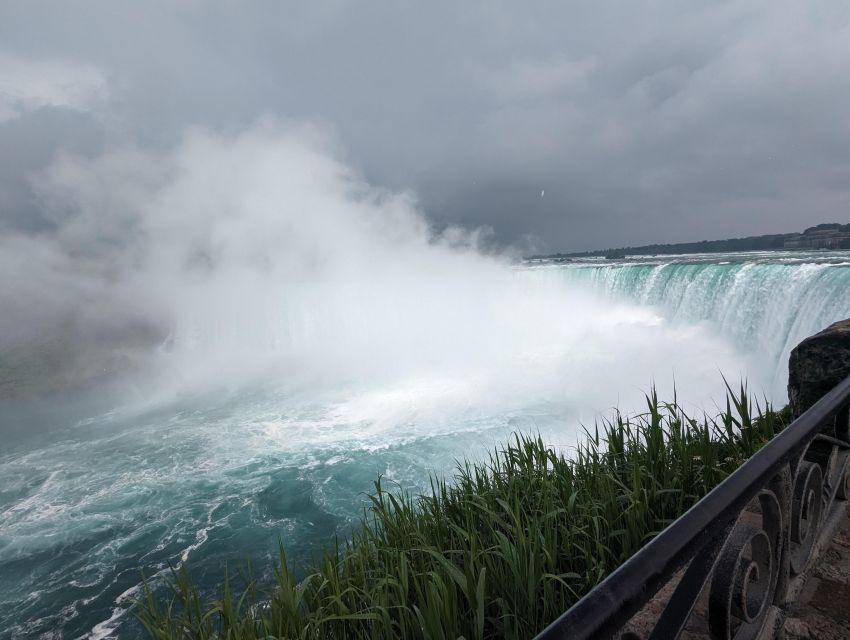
x,y
823,236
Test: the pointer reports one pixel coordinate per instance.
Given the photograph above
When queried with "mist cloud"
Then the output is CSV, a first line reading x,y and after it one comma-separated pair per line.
x,y
141,243
261,254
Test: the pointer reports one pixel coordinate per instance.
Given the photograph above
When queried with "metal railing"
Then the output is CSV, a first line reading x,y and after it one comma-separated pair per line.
x,y
732,564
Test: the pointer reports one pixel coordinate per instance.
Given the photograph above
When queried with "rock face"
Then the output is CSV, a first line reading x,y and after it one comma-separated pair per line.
x,y
817,364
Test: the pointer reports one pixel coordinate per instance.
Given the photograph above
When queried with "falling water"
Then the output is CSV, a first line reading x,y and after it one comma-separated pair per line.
x,y
765,303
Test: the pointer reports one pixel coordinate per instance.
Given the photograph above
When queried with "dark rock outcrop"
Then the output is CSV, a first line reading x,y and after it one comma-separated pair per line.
x,y
817,364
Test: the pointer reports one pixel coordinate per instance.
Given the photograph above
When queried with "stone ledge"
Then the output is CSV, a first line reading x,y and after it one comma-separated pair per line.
x,y
822,607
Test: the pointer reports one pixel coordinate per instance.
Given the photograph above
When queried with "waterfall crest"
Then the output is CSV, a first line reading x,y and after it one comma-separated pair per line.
x,y
765,304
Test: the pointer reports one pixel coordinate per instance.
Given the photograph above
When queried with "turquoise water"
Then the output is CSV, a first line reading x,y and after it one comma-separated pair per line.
x,y
765,302
99,486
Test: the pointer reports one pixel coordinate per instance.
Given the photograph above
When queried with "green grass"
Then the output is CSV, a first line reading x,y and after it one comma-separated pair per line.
x,y
499,550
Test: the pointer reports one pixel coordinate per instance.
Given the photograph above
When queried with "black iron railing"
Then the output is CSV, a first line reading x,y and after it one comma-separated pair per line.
x,y
731,565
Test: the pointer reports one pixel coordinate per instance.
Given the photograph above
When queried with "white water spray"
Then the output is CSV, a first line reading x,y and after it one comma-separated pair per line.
x,y
261,256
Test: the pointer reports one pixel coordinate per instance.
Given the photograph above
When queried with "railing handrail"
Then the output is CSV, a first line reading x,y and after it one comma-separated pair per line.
x,y
608,606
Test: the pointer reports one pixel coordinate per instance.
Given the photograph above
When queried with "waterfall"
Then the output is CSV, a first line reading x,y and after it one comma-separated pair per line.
x,y
765,305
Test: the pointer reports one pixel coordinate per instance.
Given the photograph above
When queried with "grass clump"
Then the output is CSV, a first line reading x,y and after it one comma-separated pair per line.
x,y
500,550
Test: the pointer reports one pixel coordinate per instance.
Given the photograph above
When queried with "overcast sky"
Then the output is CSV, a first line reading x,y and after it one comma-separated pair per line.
x,y
642,121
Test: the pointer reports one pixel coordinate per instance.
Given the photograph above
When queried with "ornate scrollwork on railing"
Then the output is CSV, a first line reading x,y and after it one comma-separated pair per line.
x,y
731,566
745,579
806,513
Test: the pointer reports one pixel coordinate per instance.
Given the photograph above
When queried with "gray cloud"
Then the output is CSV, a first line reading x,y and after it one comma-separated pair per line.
x,y
651,121
28,85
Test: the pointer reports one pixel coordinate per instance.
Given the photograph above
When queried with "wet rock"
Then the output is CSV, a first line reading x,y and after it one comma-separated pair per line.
x,y
817,364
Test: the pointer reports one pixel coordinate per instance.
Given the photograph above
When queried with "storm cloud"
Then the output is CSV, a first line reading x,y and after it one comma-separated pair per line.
x,y
561,126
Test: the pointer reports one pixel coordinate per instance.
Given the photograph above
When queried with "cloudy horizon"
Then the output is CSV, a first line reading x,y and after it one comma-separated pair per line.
x,y
560,127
